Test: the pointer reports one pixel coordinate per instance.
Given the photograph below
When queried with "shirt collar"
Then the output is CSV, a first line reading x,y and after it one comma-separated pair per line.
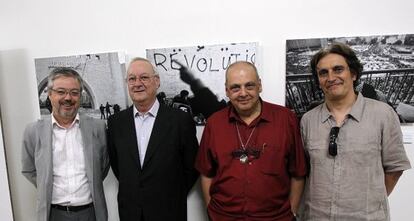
x,y
356,110
325,114
152,111
265,113
55,122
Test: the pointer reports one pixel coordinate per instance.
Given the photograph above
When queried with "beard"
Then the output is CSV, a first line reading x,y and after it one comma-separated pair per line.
x,y
67,113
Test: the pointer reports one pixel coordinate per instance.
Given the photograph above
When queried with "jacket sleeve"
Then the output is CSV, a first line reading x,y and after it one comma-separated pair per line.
x,y
27,155
113,158
105,158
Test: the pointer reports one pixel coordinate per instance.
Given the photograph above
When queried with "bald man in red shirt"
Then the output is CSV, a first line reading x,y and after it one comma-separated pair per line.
x,y
251,157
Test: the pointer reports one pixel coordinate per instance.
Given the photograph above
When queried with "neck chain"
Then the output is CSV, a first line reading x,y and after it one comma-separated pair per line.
x,y
248,139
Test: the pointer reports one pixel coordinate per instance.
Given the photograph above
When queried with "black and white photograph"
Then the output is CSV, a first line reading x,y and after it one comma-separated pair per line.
x,y
104,91
192,78
388,73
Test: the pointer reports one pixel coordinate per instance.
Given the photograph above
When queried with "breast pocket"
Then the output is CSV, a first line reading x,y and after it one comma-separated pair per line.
x,y
362,154
272,160
273,170
321,164
318,152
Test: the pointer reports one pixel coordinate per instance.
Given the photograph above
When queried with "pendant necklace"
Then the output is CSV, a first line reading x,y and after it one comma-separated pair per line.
x,y
244,158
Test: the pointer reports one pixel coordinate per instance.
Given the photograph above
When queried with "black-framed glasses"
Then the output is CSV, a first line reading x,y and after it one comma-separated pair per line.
x,y
333,147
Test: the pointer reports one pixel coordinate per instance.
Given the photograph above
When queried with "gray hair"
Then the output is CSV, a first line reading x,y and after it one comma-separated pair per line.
x,y
63,71
144,60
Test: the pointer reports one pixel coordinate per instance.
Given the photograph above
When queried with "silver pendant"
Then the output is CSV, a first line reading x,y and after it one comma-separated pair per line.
x,y
243,158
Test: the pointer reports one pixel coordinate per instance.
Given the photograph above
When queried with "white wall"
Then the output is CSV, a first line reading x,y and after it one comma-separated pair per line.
x,y
44,28
5,207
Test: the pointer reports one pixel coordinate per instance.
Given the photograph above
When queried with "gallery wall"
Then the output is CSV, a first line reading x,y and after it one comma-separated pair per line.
x,y
48,28
5,207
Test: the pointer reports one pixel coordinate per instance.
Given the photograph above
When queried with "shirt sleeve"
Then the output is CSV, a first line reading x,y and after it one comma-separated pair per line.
x,y
205,163
297,161
394,157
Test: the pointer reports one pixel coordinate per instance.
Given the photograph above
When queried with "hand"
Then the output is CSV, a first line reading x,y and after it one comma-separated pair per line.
x,y
185,74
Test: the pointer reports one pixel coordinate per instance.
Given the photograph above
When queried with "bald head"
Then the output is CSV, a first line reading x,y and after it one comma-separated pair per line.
x,y
241,66
243,87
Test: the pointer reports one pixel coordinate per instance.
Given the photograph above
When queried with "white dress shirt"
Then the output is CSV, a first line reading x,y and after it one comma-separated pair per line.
x,y
70,183
144,122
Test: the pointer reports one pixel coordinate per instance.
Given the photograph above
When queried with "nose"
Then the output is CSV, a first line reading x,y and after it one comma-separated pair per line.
x,y
67,96
243,91
331,76
136,83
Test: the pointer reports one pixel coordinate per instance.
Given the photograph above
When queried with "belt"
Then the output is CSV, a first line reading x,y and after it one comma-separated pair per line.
x,y
71,208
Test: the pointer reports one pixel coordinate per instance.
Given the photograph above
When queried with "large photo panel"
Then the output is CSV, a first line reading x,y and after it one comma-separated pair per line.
x,y
388,73
192,78
104,91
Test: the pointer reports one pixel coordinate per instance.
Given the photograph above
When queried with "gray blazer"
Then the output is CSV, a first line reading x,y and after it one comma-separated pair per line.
x,y
37,162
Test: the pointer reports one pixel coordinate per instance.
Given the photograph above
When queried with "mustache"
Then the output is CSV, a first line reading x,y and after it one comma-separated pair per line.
x,y
243,98
330,83
138,87
67,102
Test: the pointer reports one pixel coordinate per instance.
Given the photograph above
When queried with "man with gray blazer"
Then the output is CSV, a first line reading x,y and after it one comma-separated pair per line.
x,y
65,155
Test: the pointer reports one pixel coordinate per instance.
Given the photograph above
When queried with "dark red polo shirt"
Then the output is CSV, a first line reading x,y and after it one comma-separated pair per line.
x,y
258,190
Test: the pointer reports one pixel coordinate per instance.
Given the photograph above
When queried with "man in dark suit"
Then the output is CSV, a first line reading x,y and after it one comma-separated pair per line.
x,y
152,149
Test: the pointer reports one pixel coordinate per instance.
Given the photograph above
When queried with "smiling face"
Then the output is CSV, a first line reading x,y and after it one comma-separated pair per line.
x,y
142,83
243,87
65,98
335,77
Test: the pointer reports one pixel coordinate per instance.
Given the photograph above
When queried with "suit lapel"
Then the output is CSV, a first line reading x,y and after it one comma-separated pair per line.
x,y
45,139
131,135
159,131
88,133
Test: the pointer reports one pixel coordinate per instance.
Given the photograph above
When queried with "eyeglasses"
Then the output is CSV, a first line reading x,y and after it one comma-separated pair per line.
x,y
143,78
63,92
333,147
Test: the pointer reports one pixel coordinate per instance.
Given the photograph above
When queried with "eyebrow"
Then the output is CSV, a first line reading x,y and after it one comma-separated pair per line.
x,y
335,66
250,83
132,74
63,88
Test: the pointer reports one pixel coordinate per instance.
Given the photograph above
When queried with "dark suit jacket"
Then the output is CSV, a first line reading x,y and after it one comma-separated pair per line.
x,y
159,189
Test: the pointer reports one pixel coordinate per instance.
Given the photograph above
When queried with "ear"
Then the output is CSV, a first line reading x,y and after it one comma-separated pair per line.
x,y
354,77
157,81
260,85
81,98
227,91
